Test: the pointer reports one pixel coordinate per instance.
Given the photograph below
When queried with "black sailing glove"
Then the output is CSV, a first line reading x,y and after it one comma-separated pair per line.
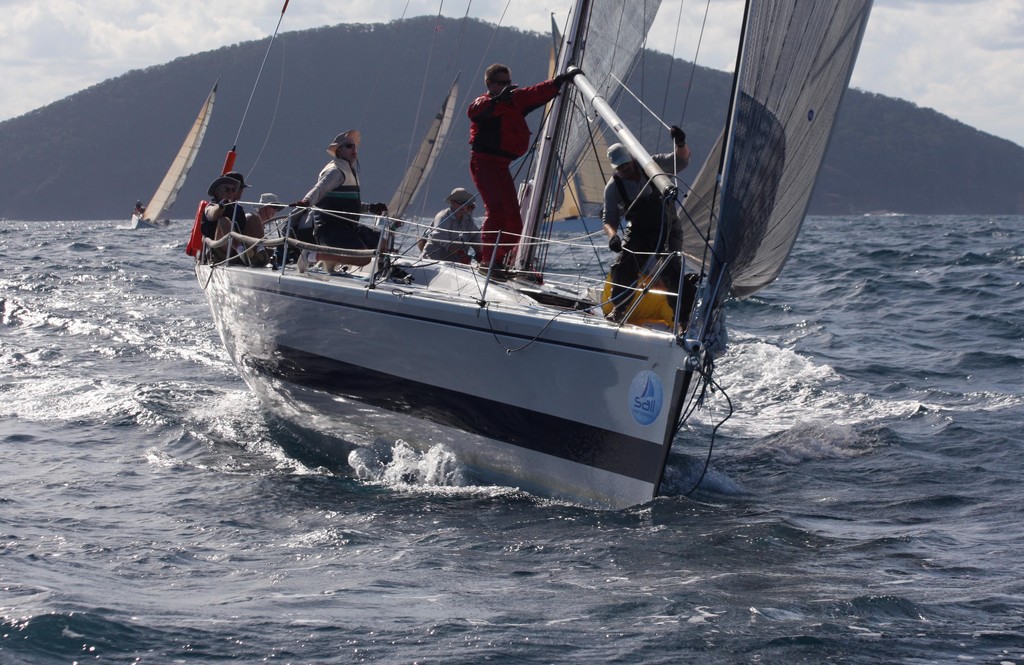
x,y
678,135
506,93
561,79
615,244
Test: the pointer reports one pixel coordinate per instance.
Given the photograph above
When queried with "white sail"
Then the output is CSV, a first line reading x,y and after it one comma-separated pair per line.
x,y
583,193
423,163
604,41
794,66
174,179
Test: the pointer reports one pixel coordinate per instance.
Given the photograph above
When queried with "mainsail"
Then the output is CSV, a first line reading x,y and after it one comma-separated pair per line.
x,y
584,182
794,65
427,155
174,179
604,43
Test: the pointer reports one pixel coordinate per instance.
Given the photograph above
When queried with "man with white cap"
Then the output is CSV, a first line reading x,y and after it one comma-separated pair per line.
x,y
268,206
629,194
454,233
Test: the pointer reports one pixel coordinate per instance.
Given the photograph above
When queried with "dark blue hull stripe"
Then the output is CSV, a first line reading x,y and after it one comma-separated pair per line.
x,y
531,430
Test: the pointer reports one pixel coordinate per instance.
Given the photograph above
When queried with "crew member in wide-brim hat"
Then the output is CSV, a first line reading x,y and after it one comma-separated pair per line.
x,y
350,136
221,181
460,196
269,204
237,176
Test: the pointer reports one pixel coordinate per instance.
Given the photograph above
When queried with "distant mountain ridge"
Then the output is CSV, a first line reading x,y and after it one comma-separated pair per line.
x,y
92,154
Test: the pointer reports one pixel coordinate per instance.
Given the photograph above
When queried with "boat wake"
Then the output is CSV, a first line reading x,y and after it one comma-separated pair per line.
x,y
398,464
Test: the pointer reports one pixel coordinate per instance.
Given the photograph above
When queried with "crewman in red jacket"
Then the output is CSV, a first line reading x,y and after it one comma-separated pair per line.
x,y
498,134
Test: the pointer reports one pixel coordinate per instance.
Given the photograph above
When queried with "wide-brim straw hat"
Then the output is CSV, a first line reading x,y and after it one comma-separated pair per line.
x,y
352,135
460,196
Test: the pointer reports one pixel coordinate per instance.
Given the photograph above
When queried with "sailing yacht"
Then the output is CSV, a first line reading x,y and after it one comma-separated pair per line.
x,y
524,380
155,212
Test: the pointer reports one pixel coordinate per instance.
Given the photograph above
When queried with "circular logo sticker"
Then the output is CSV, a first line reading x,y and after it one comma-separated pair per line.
x,y
645,397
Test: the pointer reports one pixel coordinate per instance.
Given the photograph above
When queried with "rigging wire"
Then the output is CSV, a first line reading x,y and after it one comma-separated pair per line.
x,y
453,59
696,55
229,161
643,66
706,374
397,23
423,85
672,58
480,66
273,118
640,102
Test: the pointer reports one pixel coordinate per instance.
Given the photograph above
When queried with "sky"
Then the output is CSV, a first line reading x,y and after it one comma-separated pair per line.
x,y
963,58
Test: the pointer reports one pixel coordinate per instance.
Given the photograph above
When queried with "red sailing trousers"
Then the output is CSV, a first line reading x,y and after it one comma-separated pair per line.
x,y
493,180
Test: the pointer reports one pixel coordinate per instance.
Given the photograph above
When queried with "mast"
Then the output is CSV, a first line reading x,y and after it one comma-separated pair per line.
x,y
540,181
615,32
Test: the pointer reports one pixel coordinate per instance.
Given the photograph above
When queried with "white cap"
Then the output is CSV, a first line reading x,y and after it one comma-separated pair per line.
x,y
618,155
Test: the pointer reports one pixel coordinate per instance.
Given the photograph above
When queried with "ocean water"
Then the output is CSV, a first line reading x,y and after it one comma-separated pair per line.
x,y
861,505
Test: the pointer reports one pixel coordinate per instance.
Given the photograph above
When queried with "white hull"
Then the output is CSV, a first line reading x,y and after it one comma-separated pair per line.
x,y
139,223
580,410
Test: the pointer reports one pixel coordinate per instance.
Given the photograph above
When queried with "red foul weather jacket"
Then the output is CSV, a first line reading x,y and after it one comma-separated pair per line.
x,y
499,127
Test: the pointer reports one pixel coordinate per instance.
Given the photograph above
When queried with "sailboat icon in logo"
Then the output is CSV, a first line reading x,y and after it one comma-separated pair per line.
x,y
646,396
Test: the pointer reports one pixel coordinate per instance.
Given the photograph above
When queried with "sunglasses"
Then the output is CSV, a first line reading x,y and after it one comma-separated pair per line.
x,y
347,145
504,82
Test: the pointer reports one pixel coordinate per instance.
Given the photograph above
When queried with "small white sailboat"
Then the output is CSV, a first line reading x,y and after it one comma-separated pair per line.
x,y
155,212
419,170
525,381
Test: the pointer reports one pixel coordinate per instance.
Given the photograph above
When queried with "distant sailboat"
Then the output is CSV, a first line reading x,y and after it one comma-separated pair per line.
x,y
154,214
583,195
422,165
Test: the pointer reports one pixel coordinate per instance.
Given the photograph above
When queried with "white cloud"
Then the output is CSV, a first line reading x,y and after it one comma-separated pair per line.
x,y
960,57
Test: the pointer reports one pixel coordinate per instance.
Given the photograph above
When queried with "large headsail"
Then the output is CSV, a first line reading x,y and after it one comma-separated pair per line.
x,y
794,66
174,179
424,161
604,39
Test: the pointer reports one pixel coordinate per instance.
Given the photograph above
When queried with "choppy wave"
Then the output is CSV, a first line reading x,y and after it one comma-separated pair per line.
x,y
858,503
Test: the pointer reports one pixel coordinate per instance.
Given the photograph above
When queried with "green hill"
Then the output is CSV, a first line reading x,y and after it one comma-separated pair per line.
x,y
92,154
